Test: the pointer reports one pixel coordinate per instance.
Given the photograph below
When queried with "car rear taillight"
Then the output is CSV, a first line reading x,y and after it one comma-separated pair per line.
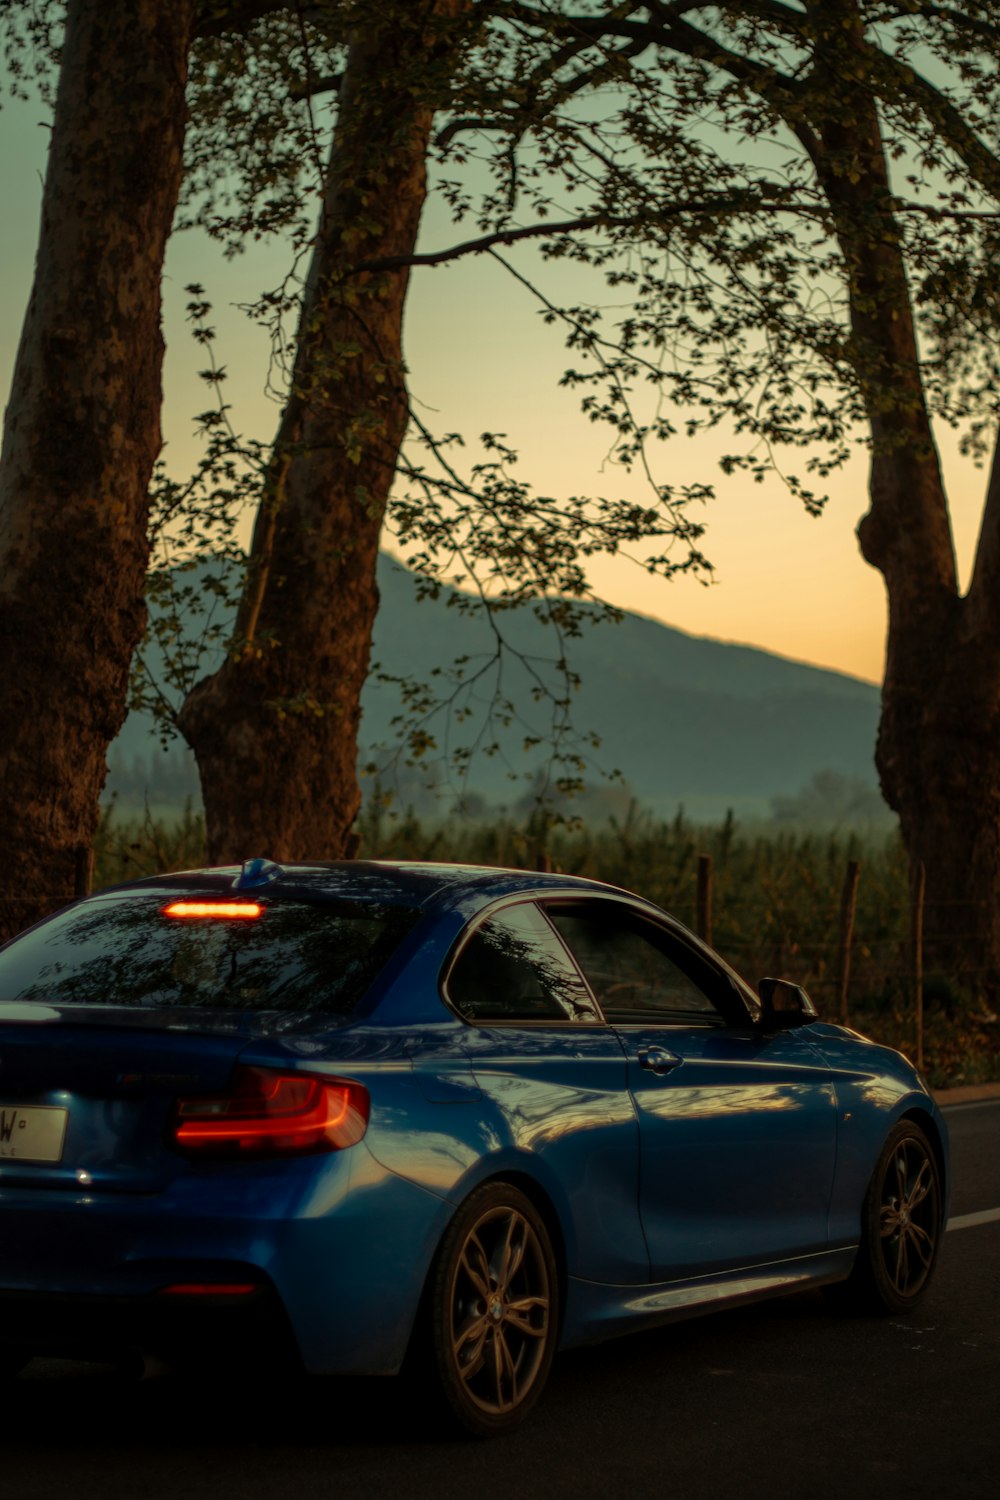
x,y
267,1113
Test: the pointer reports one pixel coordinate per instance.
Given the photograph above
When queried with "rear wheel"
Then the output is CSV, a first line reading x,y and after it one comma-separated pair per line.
x,y
901,1225
494,1310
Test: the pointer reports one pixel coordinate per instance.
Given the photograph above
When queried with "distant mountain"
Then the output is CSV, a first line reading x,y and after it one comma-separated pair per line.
x,y
686,720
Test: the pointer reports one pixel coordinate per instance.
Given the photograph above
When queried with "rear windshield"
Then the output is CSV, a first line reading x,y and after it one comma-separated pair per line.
x,y
125,951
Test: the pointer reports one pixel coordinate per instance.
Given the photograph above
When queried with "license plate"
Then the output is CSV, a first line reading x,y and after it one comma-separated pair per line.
x,y
34,1133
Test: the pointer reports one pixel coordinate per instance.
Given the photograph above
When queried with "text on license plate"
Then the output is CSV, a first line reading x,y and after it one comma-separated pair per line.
x,y
32,1133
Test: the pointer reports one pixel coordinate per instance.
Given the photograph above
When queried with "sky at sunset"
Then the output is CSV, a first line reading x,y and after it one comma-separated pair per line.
x,y
481,359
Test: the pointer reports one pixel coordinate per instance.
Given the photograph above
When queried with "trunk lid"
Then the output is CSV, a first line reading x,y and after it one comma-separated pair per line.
x,y
86,1097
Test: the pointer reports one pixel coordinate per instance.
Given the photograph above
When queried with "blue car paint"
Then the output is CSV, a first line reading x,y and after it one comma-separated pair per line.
x,y
741,1171
554,1108
875,1087
742,1120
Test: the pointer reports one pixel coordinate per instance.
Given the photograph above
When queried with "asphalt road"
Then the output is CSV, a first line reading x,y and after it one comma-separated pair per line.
x,y
781,1399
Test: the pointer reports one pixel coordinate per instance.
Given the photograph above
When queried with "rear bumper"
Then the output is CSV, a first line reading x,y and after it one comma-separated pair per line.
x,y
340,1253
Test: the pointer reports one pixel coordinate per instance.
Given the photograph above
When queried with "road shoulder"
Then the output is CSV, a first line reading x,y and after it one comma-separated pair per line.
x,y
972,1093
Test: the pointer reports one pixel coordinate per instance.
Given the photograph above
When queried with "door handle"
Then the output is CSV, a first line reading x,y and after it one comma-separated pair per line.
x,y
658,1060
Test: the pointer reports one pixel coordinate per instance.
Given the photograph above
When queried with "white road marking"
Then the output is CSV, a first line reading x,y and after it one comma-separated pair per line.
x,y
969,1221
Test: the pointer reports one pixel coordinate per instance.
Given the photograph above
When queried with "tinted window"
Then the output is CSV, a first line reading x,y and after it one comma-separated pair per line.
x,y
513,968
125,951
635,969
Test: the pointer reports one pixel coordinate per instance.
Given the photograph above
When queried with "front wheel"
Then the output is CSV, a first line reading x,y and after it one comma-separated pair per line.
x,y
494,1310
901,1225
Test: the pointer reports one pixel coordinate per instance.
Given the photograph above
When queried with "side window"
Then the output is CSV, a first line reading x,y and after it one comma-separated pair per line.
x,y
637,971
513,968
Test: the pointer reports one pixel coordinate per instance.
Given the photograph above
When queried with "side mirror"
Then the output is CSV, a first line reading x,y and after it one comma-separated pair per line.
x,y
784,1005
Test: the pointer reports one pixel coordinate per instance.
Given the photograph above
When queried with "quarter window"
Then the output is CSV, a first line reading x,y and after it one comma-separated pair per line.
x,y
513,968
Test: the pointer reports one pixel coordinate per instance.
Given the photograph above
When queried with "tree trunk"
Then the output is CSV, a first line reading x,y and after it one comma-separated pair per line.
x,y
82,433
275,729
939,760
938,753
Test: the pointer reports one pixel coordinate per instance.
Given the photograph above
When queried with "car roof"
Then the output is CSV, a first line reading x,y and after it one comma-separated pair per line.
x,y
411,883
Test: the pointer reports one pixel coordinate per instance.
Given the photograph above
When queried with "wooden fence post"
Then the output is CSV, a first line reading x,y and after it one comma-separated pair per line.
x,y
917,934
703,925
848,908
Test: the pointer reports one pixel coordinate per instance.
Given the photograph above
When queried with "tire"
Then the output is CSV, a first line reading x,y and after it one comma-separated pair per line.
x,y
901,1226
492,1311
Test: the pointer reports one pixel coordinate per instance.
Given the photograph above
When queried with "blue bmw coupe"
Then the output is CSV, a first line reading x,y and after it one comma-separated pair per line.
x,y
373,1114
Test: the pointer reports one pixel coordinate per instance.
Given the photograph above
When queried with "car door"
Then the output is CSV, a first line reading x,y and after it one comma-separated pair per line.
x,y
554,1081
737,1128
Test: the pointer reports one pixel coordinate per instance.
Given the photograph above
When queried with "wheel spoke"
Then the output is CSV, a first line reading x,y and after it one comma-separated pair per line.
x,y
513,1251
901,1175
507,1365
474,1333
922,1186
497,1369
519,1316
922,1243
476,1266
902,1277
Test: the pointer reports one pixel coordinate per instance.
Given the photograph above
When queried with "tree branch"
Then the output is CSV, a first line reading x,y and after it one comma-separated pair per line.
x,y
732,203
772,86
981,162
961,20
791,22
217,17
735,203
487,241
520,117
664,27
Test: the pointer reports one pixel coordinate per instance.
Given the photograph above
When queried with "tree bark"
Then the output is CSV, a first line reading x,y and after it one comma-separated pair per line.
x,y
82,433
275,729
939,761
938,753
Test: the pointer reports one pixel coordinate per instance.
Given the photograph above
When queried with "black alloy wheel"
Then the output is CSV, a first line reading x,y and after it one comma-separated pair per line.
x,y
494,1310
901,1225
